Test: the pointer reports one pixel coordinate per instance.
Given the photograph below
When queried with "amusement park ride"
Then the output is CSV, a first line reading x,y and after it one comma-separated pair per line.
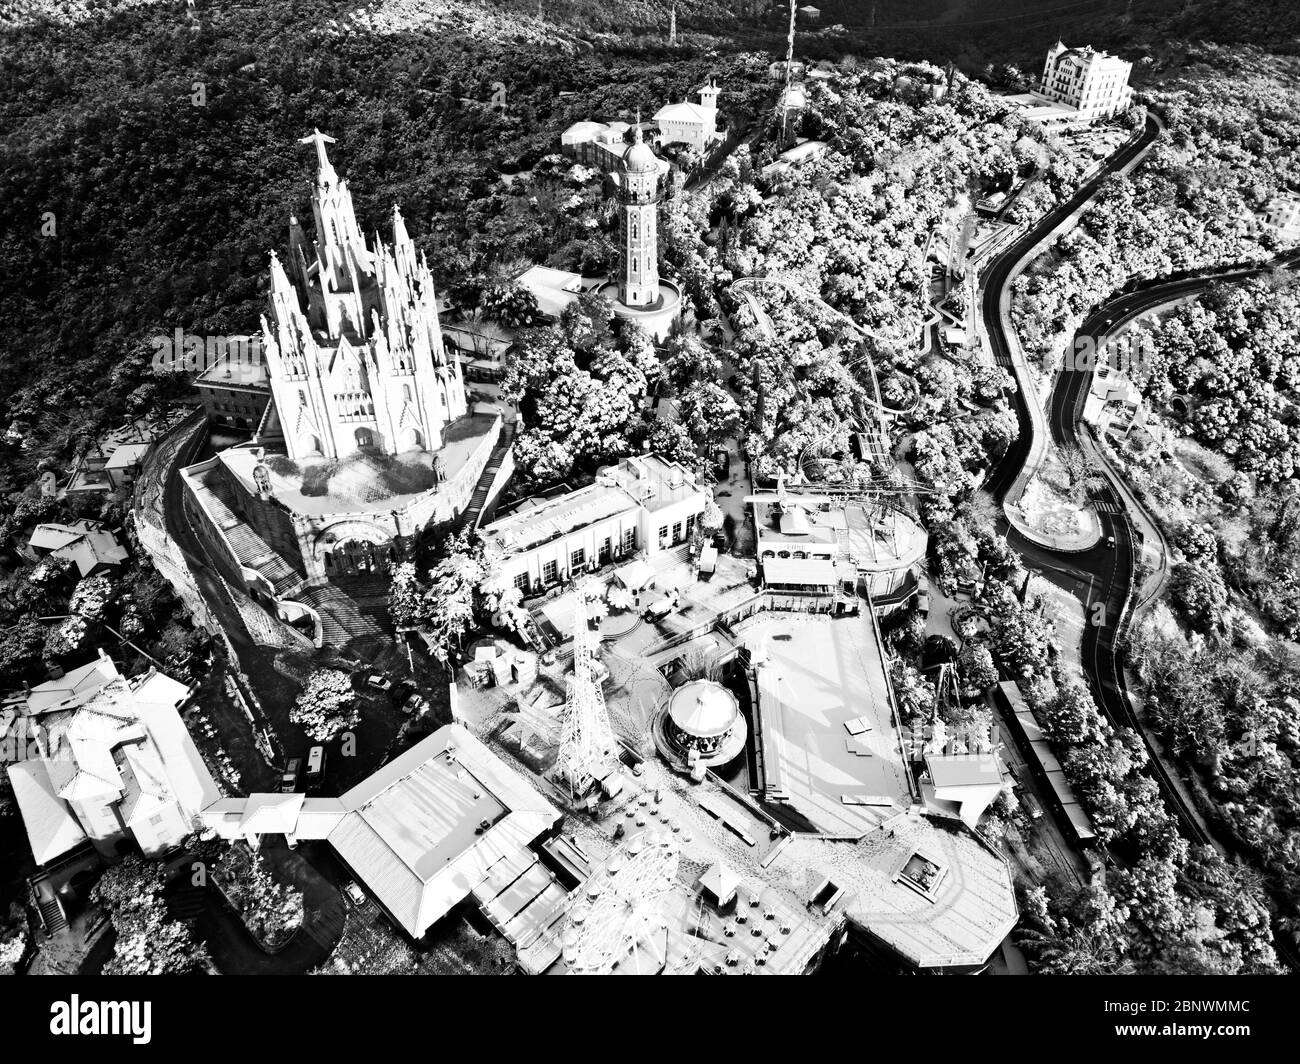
x,y
621,914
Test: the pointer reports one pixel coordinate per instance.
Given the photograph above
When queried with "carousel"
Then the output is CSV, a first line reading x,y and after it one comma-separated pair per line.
x,y
700,725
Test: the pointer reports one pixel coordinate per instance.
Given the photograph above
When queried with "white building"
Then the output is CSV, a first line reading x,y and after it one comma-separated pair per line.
x,y
1282,216
108,760
444,822
1094,84
642,504
964,784
690,123
353,344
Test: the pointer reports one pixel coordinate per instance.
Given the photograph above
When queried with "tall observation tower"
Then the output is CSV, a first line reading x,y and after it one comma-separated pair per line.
x,y
639,195
637,292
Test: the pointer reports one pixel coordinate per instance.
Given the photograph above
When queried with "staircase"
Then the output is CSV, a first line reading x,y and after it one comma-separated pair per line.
x,y
474,511
52,918
342,619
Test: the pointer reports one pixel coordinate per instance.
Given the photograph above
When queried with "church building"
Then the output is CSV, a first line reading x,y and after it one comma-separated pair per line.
x,y
353,346
369,437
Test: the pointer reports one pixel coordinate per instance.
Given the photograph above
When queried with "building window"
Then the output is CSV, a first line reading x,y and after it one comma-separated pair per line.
x,y
549,573
629,541
605,550
677,532
578,559
690,526
521,581
663,533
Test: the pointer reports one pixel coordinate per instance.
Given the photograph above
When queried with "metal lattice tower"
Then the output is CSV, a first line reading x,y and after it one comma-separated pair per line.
x,y
587,743
620,912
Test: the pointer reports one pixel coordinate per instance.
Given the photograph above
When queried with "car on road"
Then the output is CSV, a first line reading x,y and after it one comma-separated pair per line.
x,y
379,682
1032,807
355,895
291,775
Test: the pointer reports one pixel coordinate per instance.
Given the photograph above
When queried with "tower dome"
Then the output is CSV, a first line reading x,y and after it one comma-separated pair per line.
x,y
640,157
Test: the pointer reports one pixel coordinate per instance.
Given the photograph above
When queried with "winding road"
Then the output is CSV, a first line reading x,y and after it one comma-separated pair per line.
x,y
1102,576
1104,573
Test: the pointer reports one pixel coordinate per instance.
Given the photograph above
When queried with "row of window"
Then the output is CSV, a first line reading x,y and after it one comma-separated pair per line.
x,y
677,536
578,560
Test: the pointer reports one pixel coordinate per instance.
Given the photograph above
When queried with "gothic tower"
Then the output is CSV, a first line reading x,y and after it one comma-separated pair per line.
x,y
638,284
353,343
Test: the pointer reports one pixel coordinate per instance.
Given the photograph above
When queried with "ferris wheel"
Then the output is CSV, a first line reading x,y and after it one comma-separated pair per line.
x,y
620,912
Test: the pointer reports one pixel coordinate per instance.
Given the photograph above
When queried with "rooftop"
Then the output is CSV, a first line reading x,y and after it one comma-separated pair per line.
x,y
361,481
423,831
552,518
956,920
246,373
827,720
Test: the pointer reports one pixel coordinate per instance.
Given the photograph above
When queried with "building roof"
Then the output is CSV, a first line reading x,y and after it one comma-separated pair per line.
x,y
703,708
247,373
106,740
808,571
86,544
425,830
553,289
128,454
51,829
963,770
557,517
686,112
72,687
582,131
959,921
719,880
271,813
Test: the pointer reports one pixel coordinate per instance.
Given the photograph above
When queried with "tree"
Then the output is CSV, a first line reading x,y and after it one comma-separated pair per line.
x,y
977,668
404,596
1199,593
21,644
448,601
327,705
147,941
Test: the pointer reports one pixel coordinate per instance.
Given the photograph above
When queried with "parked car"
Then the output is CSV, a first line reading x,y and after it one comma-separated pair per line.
x,y
355,895
291,775
1032,807
379,682
413,704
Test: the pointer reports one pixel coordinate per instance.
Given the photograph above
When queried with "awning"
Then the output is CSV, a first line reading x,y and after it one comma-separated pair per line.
x,y
804,572
635,575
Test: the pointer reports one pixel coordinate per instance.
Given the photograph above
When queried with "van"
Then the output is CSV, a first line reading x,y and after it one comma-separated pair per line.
x,y
315,765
